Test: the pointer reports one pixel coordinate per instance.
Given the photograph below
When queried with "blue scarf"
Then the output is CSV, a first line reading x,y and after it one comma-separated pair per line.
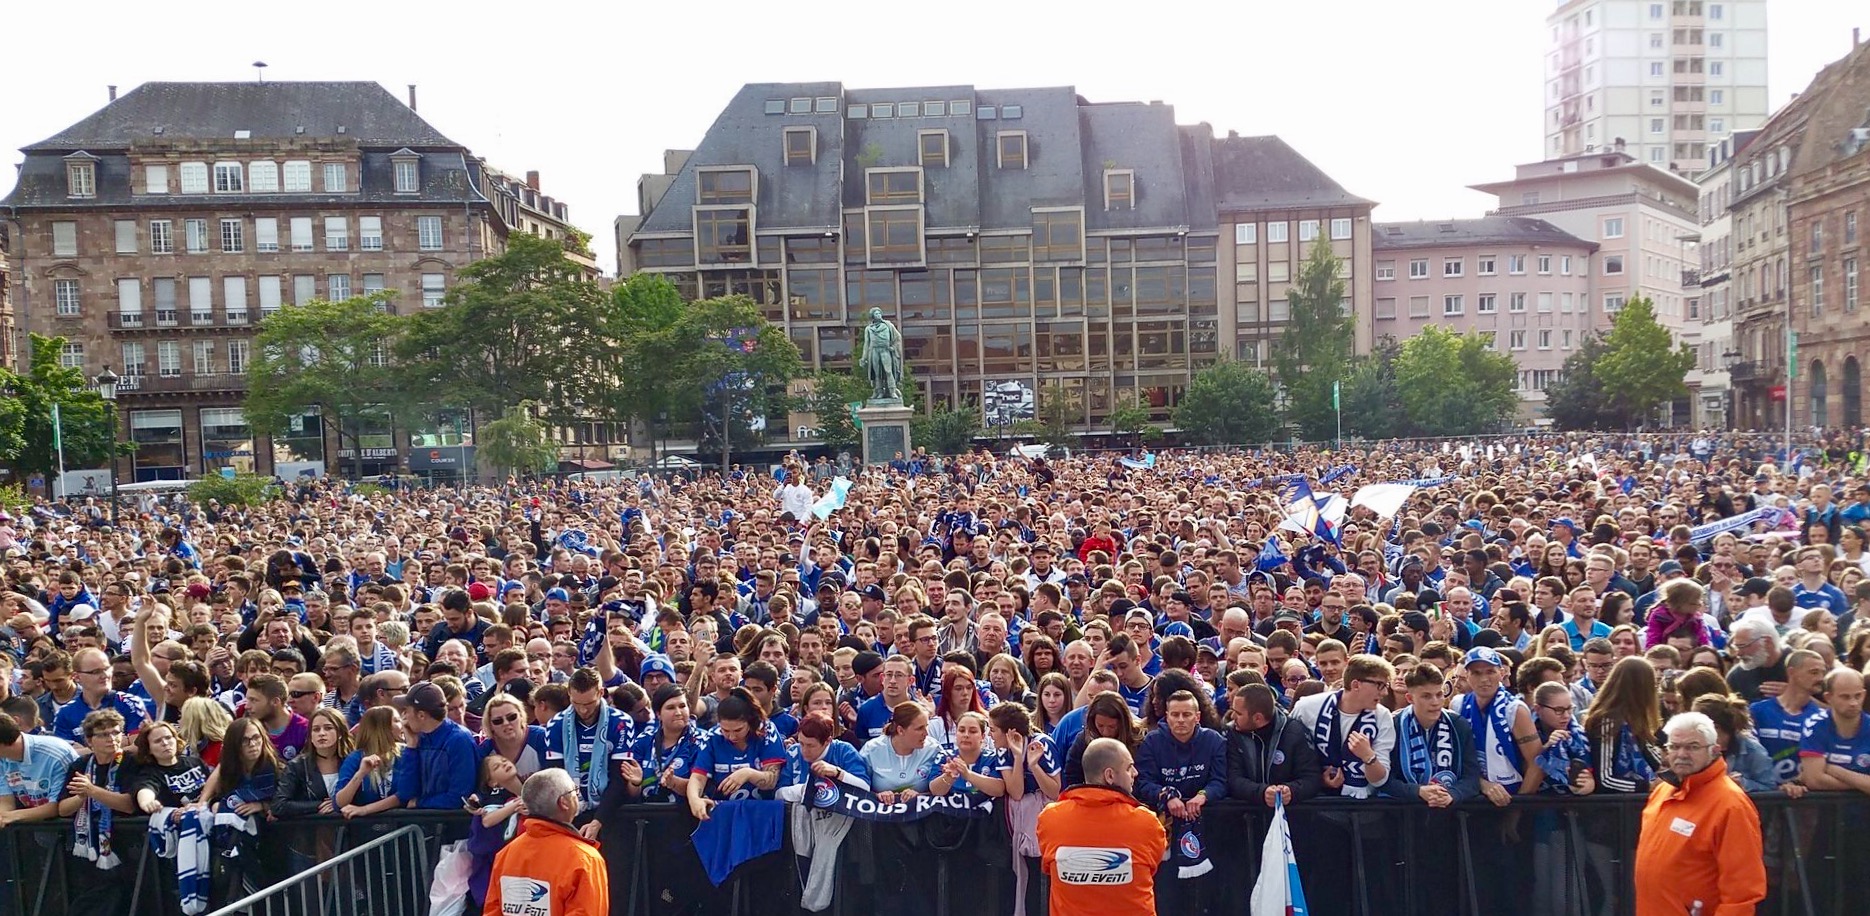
x,y
598,778
1499,717
91,826
1330,743
1429,755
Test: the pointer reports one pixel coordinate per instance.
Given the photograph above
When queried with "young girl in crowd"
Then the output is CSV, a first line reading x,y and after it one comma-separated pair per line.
x,y
366,780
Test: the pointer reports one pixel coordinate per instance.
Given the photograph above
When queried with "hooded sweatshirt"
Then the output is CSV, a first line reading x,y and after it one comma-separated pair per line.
x,y
1167,768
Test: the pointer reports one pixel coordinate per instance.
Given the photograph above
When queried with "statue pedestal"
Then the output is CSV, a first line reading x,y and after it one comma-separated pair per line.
x,y
885,432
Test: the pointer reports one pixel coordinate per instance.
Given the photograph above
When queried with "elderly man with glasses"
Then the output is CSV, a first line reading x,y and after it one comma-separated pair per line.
x,y
1700,847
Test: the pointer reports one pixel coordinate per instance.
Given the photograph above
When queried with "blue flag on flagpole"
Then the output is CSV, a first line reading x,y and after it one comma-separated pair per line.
x,y
1271,557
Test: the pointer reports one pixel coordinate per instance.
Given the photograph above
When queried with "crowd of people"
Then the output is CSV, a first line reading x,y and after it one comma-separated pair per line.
x,y
1523,625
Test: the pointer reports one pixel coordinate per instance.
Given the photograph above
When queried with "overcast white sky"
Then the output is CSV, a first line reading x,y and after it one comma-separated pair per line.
x,y
1405,103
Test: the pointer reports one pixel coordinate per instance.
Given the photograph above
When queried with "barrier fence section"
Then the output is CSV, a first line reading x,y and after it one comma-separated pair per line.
x,y
1541,856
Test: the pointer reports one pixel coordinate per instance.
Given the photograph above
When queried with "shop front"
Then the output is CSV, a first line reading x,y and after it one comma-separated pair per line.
x,y
161,447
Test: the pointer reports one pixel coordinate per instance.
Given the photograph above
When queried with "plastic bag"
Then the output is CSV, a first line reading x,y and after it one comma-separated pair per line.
x,y
448,893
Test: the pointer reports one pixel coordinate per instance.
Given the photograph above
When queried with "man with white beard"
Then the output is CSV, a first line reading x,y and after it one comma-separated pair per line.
x,y
1760,664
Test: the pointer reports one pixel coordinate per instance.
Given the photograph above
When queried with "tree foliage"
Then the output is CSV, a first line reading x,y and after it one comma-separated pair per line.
x,y
26,439
1577,401
1315,348
1370,398
1228,403
239,490
1059,410
831,397
330,355
946,430
518,442
523,325
1130,416
1453,385
1641,368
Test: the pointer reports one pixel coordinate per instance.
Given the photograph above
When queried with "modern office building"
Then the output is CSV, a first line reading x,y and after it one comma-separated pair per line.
x,y
1029,242
1666,78
154,234
1522,283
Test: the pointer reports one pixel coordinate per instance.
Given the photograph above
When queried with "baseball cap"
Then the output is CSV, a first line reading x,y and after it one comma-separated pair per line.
x,y
1669,567
426,697
1287,615
1139,614
81,612
1206,647
479,591
872,591
1121,606
557,594
1565,523
1178,628
1758,585
1481,655
1076,579
865,662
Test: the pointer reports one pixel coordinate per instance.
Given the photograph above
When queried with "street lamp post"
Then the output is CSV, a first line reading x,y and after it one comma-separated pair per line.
x,y
107,389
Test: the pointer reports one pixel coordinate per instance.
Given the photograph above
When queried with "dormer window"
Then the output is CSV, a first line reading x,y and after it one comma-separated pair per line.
x,y
801,145
81,175
406,167
1119,189
1011,149
724,186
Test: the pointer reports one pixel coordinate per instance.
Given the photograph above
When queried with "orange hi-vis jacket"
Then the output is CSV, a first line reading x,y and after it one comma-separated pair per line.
x,y
1101,848
548,870
1700,842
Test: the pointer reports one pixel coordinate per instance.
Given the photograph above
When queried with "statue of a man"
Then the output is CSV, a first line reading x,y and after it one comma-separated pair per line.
x,y
883,358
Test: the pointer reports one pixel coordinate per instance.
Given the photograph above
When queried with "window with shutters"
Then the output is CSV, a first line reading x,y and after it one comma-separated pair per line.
x,y
194,177
130,302
201,300
64,240
126,236
270,290
370,233
301,233
266,234
337,233
155,179
164,289
304,288
434,288
263,177
297,176
234,296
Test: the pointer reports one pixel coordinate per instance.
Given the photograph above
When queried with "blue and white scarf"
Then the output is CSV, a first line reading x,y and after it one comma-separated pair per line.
x,y
597,778
184,835
1327,737
1498,716
91,826
1430,755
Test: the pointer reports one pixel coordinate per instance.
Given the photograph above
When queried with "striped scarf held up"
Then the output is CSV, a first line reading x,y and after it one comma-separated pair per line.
x,y
91,826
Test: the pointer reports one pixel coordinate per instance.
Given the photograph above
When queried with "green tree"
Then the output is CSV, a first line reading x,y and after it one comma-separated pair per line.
x,y
1316,346
239,490
946,430
831,397
26,439
1130,416
1059,411
1371,401
523,325
640,322
519,442
1577,400
1453,385
1228,403
730,367
1641,368
330,355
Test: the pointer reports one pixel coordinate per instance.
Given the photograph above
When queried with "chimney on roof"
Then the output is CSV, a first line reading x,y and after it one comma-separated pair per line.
x,y
532,180
412,97
1619,144
113,93
1855,40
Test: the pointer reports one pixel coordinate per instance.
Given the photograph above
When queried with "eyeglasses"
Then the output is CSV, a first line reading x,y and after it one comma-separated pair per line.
x,y
1566,710
1380,685
93,672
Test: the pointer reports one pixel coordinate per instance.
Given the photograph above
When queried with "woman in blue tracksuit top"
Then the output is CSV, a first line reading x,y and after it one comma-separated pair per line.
x,y
1181,766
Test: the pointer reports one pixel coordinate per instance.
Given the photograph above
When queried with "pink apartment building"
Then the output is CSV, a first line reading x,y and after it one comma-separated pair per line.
x,y
1521,281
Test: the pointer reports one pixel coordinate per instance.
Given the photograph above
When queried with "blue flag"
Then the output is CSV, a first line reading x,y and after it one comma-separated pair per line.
x,y
1271,557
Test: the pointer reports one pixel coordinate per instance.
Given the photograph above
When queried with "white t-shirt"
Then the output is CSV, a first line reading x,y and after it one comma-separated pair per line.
x,y
1306,712
795,498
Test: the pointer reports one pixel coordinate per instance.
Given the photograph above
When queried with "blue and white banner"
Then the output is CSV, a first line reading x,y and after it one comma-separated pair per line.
x,y
834,498
851,801
1733,523
1430,481
1147,462
1271,557
1337,473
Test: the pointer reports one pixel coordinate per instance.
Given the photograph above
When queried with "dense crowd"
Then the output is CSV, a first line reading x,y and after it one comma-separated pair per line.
x,y
1522,625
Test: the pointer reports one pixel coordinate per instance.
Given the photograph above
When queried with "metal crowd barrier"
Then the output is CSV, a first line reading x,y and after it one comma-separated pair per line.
x,y
1541,856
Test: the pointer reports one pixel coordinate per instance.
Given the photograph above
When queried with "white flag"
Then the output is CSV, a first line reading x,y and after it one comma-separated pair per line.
x,y
1277,892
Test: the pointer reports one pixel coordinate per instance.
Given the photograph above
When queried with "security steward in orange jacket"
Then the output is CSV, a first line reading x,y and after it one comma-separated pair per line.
x,y
549,869
1101,846
1699,851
